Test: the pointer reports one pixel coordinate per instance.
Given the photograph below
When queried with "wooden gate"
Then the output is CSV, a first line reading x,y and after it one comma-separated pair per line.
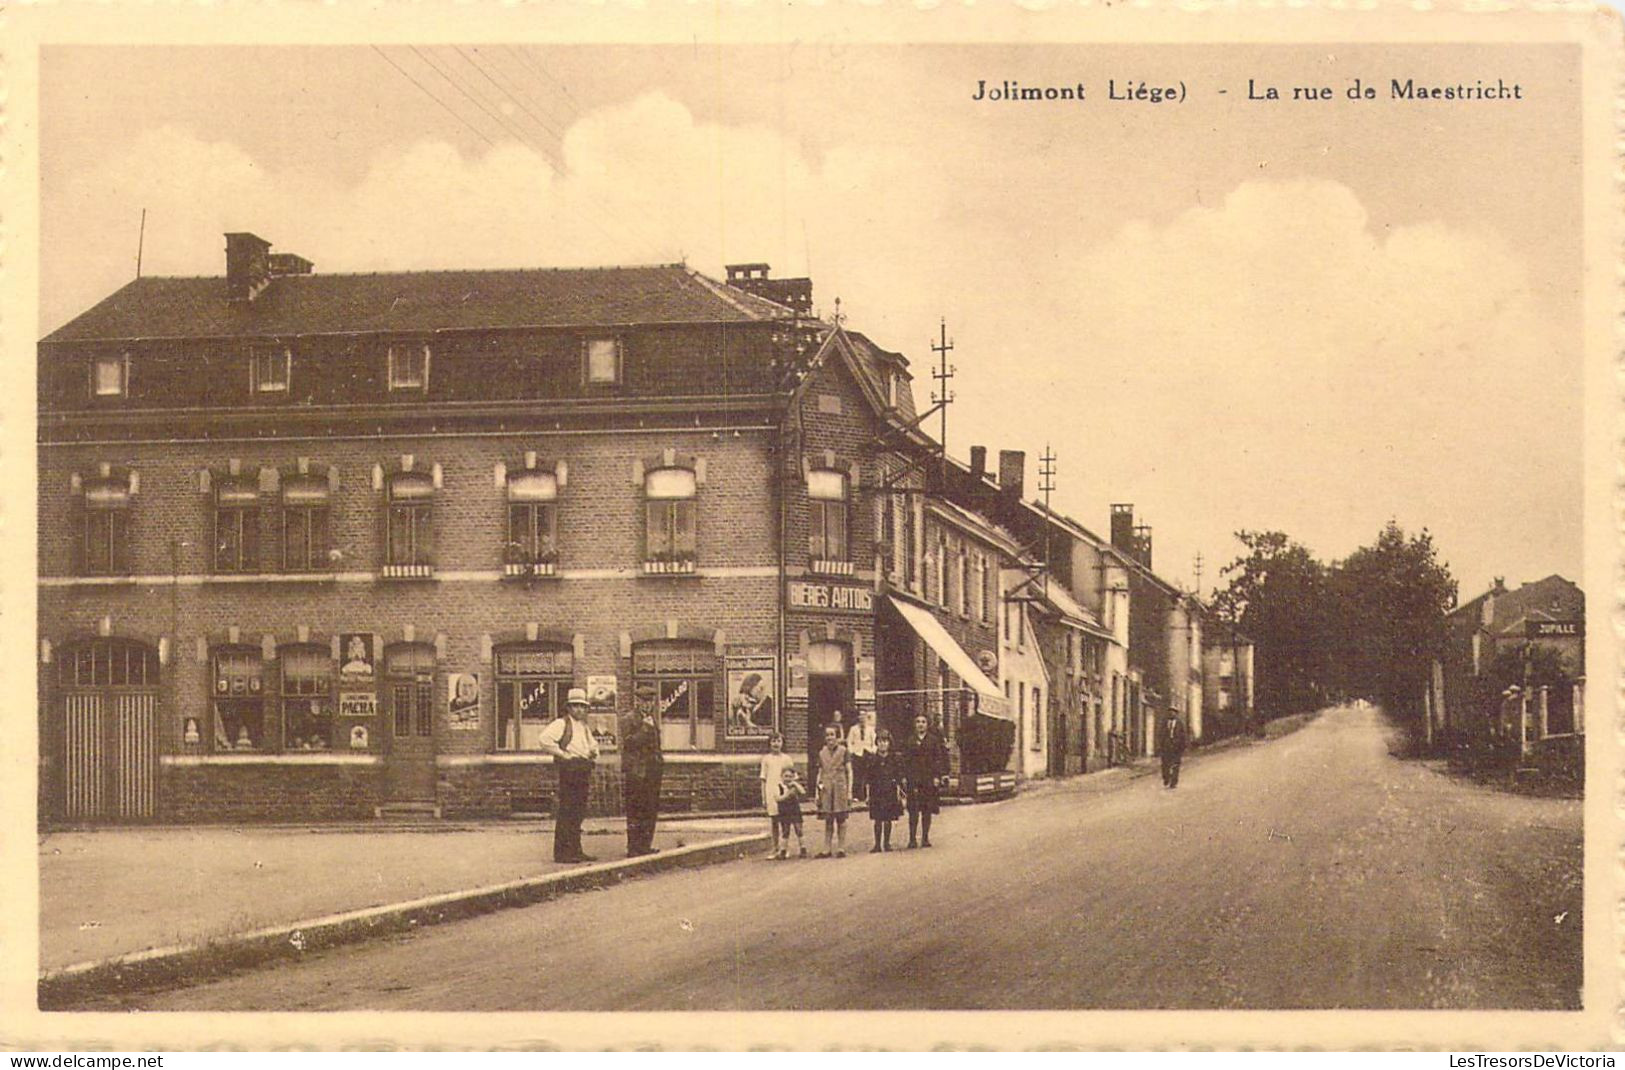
x,y
109,731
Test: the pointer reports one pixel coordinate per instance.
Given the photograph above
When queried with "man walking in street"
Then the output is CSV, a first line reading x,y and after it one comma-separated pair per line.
x,y
1172,748
641,767
569,740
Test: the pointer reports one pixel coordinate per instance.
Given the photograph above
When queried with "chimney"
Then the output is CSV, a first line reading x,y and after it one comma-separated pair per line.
x,y
248,265
1012,472
978,463
794,294
1142,544
1123,527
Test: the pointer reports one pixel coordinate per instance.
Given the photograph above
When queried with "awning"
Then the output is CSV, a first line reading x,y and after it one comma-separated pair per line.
x,y
937,638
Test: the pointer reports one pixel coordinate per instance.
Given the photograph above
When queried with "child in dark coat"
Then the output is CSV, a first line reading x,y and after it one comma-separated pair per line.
x,y
885,790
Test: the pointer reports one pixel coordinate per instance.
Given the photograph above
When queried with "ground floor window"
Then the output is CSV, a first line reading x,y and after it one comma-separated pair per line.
x,y
307,697
239,700
678,684
532,684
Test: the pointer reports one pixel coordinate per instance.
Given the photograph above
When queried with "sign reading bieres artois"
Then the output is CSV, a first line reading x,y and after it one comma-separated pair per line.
x,y
753,680
844,597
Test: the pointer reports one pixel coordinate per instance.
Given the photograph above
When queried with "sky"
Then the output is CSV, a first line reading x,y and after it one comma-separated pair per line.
x,y
1235,314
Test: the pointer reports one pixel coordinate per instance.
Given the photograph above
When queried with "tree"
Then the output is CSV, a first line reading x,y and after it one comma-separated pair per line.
x,y
1279,597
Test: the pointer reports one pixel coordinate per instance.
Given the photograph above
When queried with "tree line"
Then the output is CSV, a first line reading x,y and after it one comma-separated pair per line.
x,y
1367,626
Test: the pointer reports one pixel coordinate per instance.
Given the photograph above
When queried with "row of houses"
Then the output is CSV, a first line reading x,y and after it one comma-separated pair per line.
x,y
331,546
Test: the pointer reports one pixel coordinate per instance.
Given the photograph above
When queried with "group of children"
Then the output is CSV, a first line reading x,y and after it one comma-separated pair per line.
x,y
882,783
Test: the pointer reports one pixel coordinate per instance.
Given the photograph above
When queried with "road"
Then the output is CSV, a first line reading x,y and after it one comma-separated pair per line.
x,y
1312,871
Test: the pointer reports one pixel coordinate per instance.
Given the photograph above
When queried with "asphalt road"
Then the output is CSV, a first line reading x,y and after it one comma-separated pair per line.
x,y
1312,871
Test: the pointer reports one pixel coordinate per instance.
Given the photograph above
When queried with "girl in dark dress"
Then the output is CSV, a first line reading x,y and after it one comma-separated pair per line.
x,y
925,764
885,790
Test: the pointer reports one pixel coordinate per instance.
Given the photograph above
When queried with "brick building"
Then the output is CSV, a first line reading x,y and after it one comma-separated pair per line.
x,y
327,546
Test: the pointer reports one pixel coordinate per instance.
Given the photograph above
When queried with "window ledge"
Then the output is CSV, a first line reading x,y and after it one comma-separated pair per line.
x,y
526,570
267,758
406,572
831,568
271,577
685,567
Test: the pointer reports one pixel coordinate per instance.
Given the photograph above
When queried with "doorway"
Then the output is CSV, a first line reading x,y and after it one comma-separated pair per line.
x,y
829,690
109,731
409,692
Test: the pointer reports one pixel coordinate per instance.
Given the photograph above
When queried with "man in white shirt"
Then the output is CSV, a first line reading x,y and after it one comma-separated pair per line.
x,y
569,740
860,744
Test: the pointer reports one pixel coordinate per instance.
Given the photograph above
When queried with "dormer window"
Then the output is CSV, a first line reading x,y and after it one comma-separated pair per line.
x,y
269,369
409,366
602,359
110,376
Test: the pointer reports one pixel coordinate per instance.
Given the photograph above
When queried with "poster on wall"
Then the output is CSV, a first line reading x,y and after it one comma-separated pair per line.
x,y
606,730
601,692
357,703
463,701
355,658
752,686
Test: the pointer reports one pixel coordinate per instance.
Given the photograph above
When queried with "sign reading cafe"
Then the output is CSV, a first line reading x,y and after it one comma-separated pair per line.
x,y
846,598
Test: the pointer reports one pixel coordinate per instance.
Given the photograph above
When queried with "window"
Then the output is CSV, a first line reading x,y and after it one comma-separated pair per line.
x,y
909,564
1021,624
963,578
110,663
304,524
1034,742
990,593
532,520
410,537
105,550
236,526
409,366
677,683
239,700
307,698
669,516
941,568
268,370
826,515
889,535
532,684
110,376
410,669
602,360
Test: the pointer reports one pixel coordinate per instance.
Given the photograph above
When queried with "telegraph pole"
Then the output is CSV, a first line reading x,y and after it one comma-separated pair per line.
x,y
1198,569
140,243
1046,483
944,372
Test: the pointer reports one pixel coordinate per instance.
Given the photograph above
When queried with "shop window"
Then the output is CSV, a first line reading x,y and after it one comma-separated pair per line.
x,y
109,663
239,700
269,369
532,522
409,366
105,546
677,683
669,504
532,684
409,549
307,697
304,524
601,361
110,375
410,671
826,516
236,526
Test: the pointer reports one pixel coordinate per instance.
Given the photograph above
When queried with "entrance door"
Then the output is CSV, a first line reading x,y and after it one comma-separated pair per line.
x,y
109,731
410,695
829,689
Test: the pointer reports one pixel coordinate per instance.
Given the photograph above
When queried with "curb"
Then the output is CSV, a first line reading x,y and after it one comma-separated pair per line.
x,y
167,967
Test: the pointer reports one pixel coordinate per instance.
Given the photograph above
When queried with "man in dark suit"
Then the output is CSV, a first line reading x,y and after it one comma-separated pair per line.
x,y
1172,748
641,767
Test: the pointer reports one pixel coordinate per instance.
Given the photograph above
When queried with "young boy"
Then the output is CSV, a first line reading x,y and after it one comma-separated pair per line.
x,y
787,813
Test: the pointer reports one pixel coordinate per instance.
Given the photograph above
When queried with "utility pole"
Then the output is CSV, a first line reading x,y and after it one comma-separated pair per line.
x,y
140,243
1198,569
944,372
1046,483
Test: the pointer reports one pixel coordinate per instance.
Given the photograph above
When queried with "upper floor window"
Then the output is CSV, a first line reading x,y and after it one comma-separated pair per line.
x,y
602,360
105,540
963,578
236,526
110,375
669,514
269,369
990,589
827,515
532,519
304,524
910,564
409,366
409,539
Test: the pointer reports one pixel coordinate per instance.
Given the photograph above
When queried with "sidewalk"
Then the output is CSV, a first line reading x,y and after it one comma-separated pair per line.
x,y
117,891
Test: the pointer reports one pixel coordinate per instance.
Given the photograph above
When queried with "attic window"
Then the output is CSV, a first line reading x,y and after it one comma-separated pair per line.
x,y
270,370
894,383
409,367
110,376
602,357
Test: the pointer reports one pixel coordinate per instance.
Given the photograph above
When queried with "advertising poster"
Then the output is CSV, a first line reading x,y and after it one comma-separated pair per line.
x,y
355,659
752,685
463,701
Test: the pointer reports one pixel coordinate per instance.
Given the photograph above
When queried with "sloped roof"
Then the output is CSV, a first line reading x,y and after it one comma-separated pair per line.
x,y
411,301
